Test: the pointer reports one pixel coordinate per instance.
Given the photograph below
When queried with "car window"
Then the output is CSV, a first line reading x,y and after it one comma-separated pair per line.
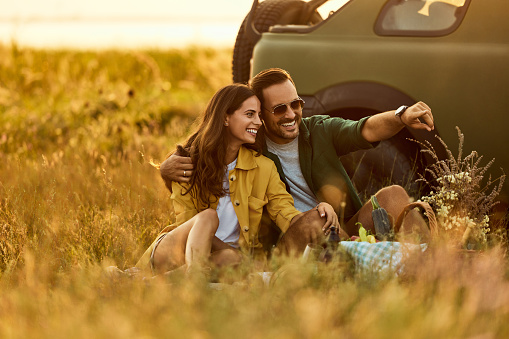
x,y
421,17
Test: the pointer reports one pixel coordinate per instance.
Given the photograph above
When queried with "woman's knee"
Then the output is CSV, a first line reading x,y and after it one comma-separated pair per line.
x,y
207,220
226,257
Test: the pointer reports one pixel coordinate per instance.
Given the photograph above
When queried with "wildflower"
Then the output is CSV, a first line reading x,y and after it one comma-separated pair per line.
x,y
457,197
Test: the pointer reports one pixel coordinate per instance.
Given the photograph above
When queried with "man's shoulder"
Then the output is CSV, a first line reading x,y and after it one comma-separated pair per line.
x,y
314,119
320,120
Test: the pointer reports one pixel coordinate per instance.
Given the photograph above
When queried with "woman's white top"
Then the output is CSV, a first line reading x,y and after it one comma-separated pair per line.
x,y
229,228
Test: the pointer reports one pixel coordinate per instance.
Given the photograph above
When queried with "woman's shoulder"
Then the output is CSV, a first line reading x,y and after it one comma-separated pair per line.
x,y
265,165
260,159
179,189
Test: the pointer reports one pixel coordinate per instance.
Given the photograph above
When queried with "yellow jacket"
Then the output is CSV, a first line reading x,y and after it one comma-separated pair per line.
x,y
254,184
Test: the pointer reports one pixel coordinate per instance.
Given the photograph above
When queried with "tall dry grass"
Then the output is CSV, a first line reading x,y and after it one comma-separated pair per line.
x,y
77,132
77,194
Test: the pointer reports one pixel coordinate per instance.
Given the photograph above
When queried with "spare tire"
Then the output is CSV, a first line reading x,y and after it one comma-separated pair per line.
x,y
393,161
268,13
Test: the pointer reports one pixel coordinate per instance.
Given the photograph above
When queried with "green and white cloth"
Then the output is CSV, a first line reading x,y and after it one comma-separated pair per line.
x,y
384,256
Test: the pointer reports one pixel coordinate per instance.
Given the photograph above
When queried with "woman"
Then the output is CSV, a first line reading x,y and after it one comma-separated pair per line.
x,y
219,211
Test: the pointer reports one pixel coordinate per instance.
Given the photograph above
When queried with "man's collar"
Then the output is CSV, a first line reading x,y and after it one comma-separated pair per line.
x,y
303,131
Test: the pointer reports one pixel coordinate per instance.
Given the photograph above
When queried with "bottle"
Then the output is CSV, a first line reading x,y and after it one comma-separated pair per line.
x,y
381,221
333,238
330,246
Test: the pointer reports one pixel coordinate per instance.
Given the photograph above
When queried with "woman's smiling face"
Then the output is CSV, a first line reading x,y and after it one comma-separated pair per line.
x,y
244,123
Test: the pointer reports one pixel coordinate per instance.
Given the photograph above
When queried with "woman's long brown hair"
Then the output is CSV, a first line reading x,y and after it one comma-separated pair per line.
x,y
208,144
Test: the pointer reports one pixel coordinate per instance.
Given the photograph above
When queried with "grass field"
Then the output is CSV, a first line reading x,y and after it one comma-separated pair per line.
x,y
77,194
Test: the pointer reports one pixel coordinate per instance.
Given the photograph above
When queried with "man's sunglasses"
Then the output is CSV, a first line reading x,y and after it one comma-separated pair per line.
x,y
295,105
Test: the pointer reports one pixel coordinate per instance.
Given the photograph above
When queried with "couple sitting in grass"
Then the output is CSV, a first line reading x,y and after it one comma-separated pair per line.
x,y
253,155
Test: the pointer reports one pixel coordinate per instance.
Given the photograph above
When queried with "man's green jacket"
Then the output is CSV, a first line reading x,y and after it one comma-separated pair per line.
x,y
322,140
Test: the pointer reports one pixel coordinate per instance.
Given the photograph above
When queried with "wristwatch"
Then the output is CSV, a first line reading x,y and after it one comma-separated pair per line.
x,y
400,111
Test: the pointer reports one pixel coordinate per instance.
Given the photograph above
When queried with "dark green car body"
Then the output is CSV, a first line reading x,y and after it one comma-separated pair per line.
x,y
375,55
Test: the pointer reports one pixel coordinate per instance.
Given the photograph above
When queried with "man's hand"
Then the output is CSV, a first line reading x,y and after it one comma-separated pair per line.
x,y
418,116
383,126
176,168
326,211
310,227
331,218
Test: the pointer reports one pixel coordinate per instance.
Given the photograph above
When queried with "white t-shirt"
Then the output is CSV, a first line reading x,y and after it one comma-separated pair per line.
x,y
229,228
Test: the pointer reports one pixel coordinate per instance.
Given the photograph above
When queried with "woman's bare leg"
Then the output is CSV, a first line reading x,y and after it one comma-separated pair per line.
x,y
171,251
224,255
169,254
199,240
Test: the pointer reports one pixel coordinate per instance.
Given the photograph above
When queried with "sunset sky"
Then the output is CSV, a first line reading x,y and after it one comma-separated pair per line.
x,y
124,8
122,23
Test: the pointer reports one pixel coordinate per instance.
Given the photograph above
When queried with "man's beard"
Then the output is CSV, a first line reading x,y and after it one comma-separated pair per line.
x,y
280,131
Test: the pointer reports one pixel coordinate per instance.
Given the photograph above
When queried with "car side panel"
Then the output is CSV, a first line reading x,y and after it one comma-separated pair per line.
x,y
464,76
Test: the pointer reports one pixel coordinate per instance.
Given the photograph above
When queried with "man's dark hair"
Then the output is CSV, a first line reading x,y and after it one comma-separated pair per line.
x,y
267,78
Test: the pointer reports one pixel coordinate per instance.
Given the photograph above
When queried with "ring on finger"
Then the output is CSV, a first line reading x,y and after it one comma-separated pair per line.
x,y
185,173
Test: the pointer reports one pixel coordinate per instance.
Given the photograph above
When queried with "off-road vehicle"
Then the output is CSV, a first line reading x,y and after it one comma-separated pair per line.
x,y
369,56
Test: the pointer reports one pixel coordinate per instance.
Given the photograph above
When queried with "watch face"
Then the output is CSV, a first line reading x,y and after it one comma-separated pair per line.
x,y
400,110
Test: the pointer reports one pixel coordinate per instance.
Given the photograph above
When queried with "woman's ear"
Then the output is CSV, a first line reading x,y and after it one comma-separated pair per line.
x,y
227,120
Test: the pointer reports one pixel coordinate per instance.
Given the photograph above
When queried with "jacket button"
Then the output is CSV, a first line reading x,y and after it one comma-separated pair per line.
x,y
233,177
236,203
245,229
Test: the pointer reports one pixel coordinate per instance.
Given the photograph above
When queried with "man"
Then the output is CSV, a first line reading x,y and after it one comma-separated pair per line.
x,y
306,151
